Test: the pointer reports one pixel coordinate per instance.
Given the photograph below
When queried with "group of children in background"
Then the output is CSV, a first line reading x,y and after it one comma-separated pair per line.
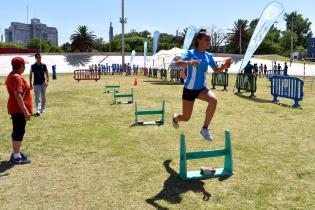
x,y
115,68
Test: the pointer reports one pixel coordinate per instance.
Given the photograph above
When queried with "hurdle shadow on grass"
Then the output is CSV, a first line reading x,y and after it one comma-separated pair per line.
x,y
4,166
156,82
135,125
174,186
258,100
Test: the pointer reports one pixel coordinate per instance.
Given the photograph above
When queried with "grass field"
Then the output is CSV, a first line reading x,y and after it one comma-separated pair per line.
x,y
87,155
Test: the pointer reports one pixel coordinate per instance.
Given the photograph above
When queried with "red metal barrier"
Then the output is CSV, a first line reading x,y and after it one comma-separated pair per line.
x,y
86,75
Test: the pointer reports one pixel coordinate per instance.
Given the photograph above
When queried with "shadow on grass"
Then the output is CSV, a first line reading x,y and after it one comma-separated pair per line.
x,y
216,89
121,103
156,82
141,125
4,166
174,186
288,105
258,100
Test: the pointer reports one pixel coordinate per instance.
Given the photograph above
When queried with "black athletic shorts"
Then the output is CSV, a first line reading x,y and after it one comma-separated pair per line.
x,y
191,95
19,123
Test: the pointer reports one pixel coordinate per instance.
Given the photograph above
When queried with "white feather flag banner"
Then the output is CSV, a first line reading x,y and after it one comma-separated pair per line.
x,y
270,14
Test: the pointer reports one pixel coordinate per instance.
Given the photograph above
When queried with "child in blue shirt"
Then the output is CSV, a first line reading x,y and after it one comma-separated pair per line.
x,y
197,61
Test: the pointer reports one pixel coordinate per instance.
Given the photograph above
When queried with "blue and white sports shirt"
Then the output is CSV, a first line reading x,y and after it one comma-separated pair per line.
x,y
196,75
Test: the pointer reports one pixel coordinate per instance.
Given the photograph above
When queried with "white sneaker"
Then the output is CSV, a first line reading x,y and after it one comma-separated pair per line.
x,y
175,124
43,111
206,134
36,114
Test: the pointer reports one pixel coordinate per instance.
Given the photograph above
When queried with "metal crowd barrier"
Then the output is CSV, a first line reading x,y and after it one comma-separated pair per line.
x,y
287,87
86,75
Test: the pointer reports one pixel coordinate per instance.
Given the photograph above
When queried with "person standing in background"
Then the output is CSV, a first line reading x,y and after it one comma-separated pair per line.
x,y
41,78
285,69
265,70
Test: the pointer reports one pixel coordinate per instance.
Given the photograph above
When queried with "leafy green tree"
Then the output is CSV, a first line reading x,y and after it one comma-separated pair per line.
x,y
300,49
66,47
55,49
39,44
145,34
135,41
82,40
116,44
285,42
11,45
98,43
301,27
270,45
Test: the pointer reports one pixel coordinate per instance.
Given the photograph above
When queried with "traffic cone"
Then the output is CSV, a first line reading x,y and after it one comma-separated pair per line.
x,y
135,83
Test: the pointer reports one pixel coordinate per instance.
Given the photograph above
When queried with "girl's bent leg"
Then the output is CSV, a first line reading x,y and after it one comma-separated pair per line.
x,y
187,110
208,96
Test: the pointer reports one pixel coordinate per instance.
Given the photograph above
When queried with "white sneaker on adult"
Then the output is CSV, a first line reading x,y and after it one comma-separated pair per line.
x,y
206,134
43,111
174,123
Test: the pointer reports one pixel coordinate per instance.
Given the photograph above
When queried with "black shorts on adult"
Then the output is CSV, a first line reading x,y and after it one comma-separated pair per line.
x,y
19,123
191,95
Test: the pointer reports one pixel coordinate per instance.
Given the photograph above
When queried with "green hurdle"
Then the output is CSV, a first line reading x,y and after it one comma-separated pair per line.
x,y
128,95
112,88
227,170
150,112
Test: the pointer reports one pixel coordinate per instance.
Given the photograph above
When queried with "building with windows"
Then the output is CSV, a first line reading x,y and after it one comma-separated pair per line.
x,y
21,33
311,49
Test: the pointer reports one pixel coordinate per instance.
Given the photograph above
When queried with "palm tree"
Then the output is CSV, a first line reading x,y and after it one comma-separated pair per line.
x,y
239,34
82,39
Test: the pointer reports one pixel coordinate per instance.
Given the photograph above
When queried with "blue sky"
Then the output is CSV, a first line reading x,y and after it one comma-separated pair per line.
x,y
163,15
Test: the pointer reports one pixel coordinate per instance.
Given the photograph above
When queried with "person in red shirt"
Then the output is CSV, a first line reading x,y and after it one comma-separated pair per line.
x,y
19,107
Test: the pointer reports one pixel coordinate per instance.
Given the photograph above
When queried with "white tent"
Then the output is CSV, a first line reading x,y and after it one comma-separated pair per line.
x,y
163,58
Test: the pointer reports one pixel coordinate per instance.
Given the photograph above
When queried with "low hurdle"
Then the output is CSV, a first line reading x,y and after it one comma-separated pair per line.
x,y
287,87
128,95
220,79
150,112
227,169
86,75
112,88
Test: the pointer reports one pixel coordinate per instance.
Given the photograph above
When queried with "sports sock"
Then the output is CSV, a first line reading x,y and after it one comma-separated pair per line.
x,y
16,155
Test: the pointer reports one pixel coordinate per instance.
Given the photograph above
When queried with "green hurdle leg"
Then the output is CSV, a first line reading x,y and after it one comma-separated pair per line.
x,y
163,112
227,170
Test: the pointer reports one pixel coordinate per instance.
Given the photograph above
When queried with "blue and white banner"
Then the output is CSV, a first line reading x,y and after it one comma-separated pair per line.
x,y
190,33
132,57
270,14
156,36
145,49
